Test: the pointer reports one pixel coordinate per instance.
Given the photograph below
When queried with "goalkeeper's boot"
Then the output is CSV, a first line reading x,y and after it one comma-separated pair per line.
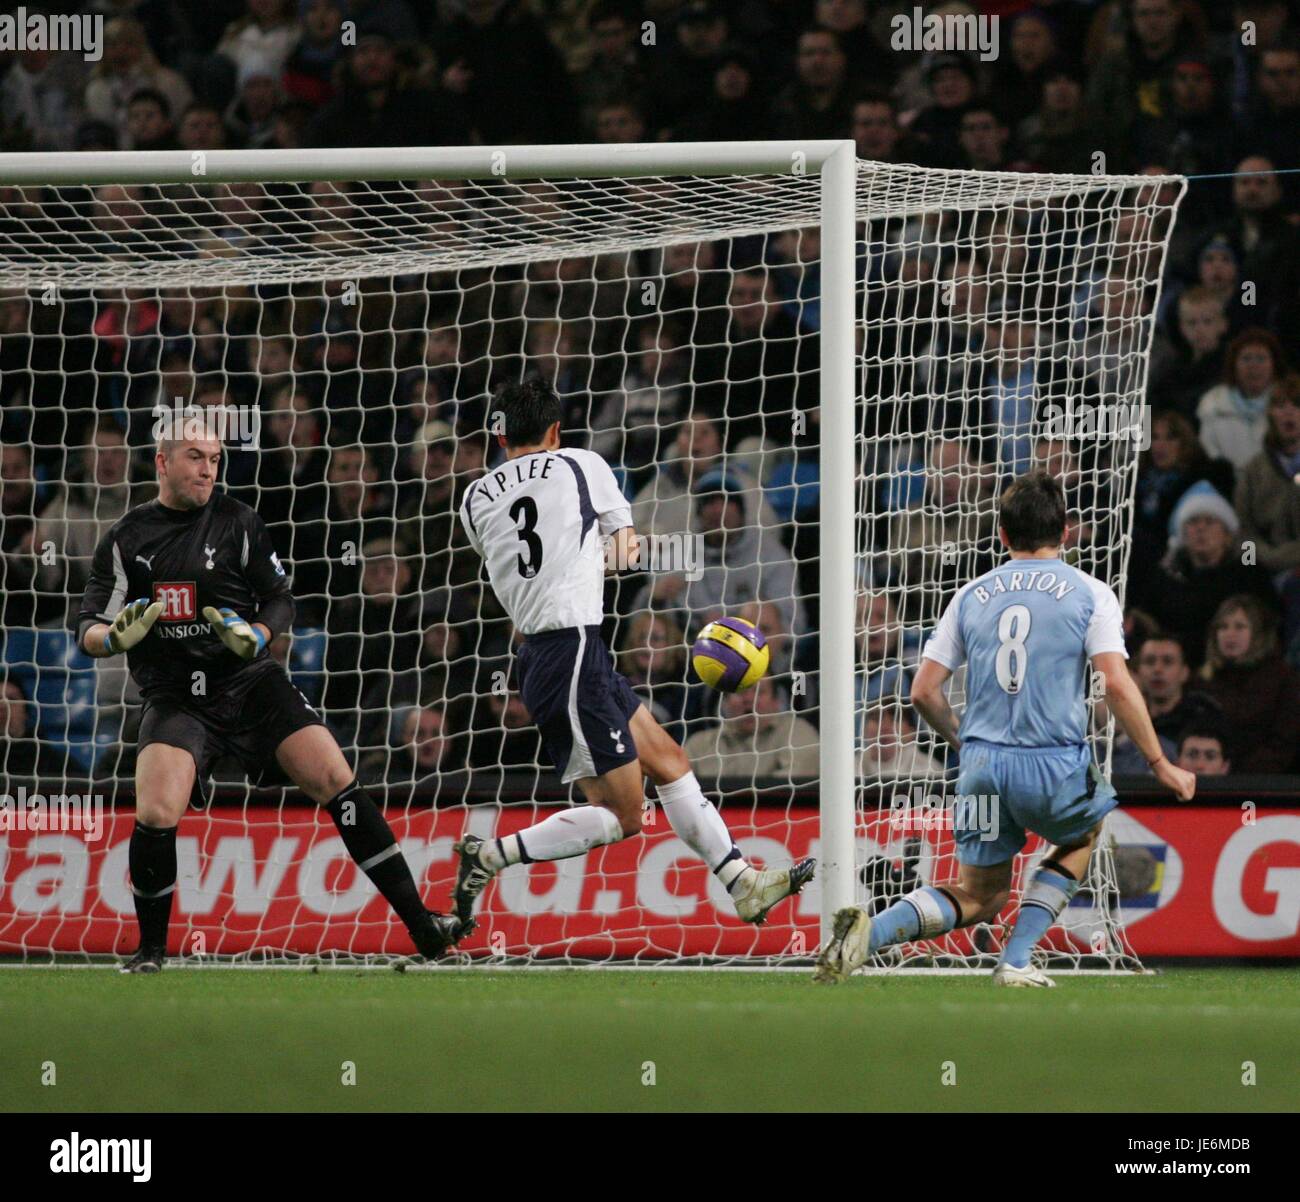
x,y
437,933
147,959
848,947
1028,977
472,876
756,890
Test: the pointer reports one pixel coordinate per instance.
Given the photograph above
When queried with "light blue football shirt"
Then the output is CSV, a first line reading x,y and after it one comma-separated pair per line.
x,y
1026,632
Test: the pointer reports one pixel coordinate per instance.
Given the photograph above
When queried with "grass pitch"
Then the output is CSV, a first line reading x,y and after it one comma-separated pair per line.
x,y
481,1040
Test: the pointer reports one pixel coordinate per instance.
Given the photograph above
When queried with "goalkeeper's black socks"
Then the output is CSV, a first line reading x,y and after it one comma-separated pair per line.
x,y
152,860
370,842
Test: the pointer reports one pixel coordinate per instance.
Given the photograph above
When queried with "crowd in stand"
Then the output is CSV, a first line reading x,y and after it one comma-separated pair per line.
x,y
373,416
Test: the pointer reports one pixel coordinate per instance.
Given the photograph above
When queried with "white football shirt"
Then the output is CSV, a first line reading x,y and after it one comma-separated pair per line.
x,y
537,520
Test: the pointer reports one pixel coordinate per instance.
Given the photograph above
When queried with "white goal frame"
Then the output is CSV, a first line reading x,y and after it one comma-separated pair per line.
x,y
832,162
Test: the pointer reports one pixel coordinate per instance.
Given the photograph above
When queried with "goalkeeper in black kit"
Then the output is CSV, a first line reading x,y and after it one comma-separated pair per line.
x,y
212,594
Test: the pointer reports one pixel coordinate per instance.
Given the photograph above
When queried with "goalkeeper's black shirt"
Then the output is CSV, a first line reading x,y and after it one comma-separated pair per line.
x,y
219,555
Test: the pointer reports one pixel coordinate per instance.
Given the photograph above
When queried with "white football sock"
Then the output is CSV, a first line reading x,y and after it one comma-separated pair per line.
x,y
568,833
697,823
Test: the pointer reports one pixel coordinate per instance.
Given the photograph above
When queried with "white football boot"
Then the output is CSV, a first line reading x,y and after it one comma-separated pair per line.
x,y
848,947
757,890
1028,977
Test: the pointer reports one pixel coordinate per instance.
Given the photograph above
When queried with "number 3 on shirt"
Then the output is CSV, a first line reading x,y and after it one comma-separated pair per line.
x,y
1013,655
528,568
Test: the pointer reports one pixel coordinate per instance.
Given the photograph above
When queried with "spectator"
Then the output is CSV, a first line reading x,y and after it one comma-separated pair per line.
x,y
758,370
1262,230
1202,569
680,77
128,66
888,650
1021,73
1233,416
851,22
1268,129
613,70
309,69
653,658
733,110
79,516
1202,749
759,738
663,506
22,755
1055,134
472,46
742,561
1189,362
1166,470
1162,674
818,103
890,751
40,97
651,398
374,639
17,529
202,128
421,750
936,129
263,39
620,121
503,736
330,525
252,113
1244,673
1128,81
1192,135
149,122
1268,488
379,105
877,131
984,139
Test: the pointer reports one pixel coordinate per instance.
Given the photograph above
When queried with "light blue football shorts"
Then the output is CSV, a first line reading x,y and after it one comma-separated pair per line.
x,y
1004,792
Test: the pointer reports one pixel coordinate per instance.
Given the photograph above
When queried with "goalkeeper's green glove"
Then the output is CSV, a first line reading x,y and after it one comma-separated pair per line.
x,y
243,638
131,625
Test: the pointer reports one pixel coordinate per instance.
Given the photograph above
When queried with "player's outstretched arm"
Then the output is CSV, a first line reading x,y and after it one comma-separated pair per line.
x,y
1130,709
931,701
126,630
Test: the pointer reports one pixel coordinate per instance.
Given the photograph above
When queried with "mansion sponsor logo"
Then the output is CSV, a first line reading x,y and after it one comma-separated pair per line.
x,y
82,813
952,32
83,1154
82,34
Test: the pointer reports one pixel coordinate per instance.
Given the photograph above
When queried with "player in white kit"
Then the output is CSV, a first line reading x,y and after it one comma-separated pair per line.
x,y
541,520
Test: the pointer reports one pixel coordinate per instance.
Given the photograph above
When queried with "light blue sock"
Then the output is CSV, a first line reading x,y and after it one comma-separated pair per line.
x,y
1048,894
925,913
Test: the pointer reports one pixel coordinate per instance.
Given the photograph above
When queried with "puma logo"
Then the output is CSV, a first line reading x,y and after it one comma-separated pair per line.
x,y
209,552
148,563
617,736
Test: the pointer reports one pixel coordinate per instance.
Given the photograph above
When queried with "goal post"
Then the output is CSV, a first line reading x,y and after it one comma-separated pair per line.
x,y
1074,261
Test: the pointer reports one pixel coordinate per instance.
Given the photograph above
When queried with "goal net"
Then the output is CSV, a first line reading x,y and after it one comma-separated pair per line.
x,y
722,344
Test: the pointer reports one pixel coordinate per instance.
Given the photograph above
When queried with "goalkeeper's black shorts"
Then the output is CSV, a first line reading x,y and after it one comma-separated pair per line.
x,y
248,719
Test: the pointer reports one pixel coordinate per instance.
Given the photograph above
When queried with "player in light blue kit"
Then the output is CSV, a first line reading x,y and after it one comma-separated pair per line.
x,y
1027,632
